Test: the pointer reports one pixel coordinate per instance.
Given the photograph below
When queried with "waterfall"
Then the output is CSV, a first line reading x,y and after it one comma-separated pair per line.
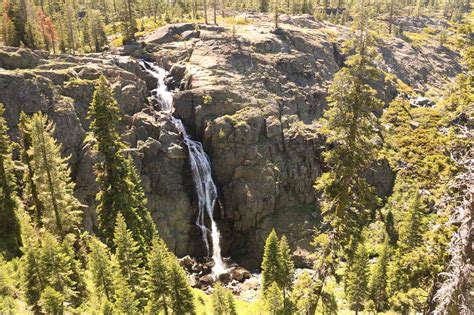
x,y
200,166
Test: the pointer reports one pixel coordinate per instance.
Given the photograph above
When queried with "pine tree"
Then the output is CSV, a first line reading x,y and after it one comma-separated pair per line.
x,y
219,300
276,12
408,271
126,301
9,303
9,225
96,30
390,229
30,192
349,125
287,272
47,263
120,187
181,295
48,30
288,267
356,283
31,277
410,230
70,24
101,270
223,301
127,257
274,299
52,301
52,179
204,4
56,267
158,277
263,5
9,33
303,296
127,17
378,279
272,262
143,217
76,261
230,303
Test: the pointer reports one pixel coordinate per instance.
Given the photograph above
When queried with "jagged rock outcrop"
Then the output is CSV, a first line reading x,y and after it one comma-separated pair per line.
x,y
252,97
62,88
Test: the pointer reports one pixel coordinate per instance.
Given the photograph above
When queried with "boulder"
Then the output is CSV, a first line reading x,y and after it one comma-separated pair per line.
x,y
19,58
421,102
187,262
170,33
206,280
225,277
240,274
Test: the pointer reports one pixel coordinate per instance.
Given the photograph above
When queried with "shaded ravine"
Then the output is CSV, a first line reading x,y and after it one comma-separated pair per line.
x,y
200,166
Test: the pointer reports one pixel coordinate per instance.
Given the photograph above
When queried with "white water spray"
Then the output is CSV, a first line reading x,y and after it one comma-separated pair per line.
x,y
200,167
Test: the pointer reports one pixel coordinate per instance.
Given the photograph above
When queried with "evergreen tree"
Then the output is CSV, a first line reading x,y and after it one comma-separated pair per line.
x,y
390,229
52,179
303,296
52,302
411,267
223,301
127,17
30,192
276,12
9,225
128,258
31,277
9,304
287,272
181,295
9,33
287,264
126,301
120,187
410,230
101,270
95,28
263,5
56,267
70,24
47,263
272,262
230,303
158,277
356,283
349,125
378,279
274,299
219,300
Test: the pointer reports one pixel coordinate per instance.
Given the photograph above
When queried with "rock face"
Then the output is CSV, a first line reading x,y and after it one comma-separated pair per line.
x,y
253,98
62,88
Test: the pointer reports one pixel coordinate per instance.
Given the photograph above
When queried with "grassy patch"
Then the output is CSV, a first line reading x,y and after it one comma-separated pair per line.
x,y
418,39
203,303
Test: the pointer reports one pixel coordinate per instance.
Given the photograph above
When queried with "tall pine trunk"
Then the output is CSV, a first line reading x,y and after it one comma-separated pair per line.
x,y
205,11
214,4
52,192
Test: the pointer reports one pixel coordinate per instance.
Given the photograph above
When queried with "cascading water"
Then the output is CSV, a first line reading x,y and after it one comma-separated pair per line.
x,y
200,167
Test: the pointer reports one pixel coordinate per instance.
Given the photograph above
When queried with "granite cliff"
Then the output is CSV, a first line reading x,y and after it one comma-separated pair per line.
x,y
251,94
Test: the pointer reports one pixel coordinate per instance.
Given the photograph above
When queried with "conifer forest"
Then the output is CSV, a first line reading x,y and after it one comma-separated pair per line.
x,y
230,157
